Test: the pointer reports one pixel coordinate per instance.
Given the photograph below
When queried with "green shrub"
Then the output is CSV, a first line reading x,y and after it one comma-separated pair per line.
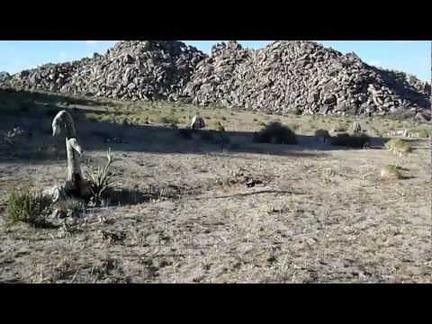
x,y
398,145
276,133
424,133
100,179
28,206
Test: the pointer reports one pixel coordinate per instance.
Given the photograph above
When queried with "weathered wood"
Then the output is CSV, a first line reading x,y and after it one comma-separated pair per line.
x,y
75,185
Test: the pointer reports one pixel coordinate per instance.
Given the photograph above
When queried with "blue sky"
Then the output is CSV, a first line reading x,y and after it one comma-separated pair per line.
x,y
413,57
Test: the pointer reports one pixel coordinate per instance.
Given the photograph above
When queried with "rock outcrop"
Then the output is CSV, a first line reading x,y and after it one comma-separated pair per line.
x,y
284,77
305,77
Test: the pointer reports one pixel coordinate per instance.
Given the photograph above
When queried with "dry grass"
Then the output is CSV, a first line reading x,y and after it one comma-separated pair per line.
x,y
391,171
398,146
188,212
27,206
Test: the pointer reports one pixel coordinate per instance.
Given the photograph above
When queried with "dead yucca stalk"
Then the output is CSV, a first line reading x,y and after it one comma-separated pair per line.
x,y
100,180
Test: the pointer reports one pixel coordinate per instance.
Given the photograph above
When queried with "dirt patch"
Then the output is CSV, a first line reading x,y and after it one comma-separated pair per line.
x,y
192,212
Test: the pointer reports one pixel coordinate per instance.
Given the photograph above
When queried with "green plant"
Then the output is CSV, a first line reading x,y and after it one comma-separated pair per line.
x,y
276,133
28,206
424,133
398,146
100,180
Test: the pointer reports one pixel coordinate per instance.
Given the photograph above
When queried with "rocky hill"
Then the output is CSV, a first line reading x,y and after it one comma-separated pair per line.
x,y
134,70
300,76
4,75
304,76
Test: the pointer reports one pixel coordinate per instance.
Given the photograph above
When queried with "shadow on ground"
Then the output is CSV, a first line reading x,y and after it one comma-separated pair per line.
x,y
33,112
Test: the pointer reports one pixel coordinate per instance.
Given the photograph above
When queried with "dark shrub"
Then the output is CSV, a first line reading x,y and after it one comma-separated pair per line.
x,y
276,133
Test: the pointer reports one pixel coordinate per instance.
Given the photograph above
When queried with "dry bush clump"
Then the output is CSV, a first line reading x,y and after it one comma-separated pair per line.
x,y
391,171
28,206
276,133
398,146
353,141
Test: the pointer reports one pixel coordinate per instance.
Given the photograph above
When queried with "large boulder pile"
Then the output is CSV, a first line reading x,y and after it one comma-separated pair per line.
x,y
48,77
139,70
304,77
132,70
299,76
4,75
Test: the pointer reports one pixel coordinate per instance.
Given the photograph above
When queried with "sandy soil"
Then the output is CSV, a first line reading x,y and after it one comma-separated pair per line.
x,y
240,213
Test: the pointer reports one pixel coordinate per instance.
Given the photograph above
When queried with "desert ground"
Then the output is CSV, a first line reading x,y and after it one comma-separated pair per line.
x,y
198,210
